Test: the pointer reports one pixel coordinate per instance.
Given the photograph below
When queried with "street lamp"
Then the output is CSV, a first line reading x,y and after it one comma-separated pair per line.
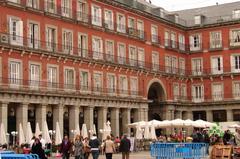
x,y
14,134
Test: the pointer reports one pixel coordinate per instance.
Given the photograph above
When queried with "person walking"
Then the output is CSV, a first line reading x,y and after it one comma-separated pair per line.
x,y
125,147
94,143
78,148
87,148
109,147
65,147
37,149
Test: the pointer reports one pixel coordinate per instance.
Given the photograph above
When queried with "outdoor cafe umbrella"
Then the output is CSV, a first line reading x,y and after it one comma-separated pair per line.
x,y
94,129
203,124
84,131
37,130
139,132
164,124
188,123
29,133
21,135
140,123
3,139
152,133
58,139
234,126
77,130
146,132
108,129
177,123
154,122
45,134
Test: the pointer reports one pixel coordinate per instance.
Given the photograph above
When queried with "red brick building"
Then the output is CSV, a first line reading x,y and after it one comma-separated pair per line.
x,y
89,61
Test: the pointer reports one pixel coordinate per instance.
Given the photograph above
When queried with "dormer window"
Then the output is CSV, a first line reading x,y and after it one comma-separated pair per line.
x,y
236,14
197,19
176,18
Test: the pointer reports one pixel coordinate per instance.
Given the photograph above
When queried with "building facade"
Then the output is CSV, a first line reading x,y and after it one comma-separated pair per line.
x,y
92,61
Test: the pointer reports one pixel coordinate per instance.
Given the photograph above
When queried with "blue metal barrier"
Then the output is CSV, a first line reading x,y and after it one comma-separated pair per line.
x,y
19,156
7,152
179,150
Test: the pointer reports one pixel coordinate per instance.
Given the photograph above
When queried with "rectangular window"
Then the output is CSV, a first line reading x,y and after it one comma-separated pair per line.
x,y
34,75
171,64
236,90
123,85
121,53
108,20
97,48
67,42
217,65
198,19
236,14
197,66
131,26
195,42
181,41
173,40
141,58
215,40
140,28
50,6
33,36
155,61
183,92
97,82
197,93
96,15
51,42
235,63
14,73
235,37
166,38
134,86
217,92
111,83
84,81
121,23
133,55
109,50
69,78
33,4
176,91
154,34
16,31
66,8
82,13
182,66
52,77
14,1
82,45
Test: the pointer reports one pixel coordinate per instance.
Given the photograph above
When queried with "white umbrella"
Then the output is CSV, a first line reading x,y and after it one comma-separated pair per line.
x,y
94,129
37,130
139,132
134,125
154,122
29,133
231,126
177,123
108,129
77,129
45,134
3,139
164,124
84,131
104,131
203,124
146,132
188,123
21,135
58,139
153,133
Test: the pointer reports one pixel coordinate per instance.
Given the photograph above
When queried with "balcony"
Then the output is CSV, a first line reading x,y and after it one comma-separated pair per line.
x,y
176,46
234,43
216,45
155,39
135,33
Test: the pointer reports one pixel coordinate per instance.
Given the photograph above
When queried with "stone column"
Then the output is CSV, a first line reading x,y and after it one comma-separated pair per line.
x,y
115,121
145,114
22,116
102,117
229,115
209,114
189,115
126,119
41,113
179,114
73,119
58,117
88,117
4,114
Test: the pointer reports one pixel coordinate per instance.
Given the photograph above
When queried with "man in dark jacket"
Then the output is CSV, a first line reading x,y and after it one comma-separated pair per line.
x,y
94,143
65,147
125,147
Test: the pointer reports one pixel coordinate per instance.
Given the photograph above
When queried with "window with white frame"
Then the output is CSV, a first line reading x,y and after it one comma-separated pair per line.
x,y
235,63
154,34
215,40
82,45
97,48
155,61
82,13
197,19
131,26
236,90
67,41
108,19
183,92
50,6
197,93
111,83
173,40
133,55
236,14
181,40
33,4
34,75
52,76
175,91
121,23
69,78
51,38
197,66
109,44
134,85
182,66
171,64
14,1
235,37
66,8
121,53
14,73
217,91
33,35
166,38
141,57
217,64
123,85
176,17
16,31
140,28
97,82
195,42
84,81
96,15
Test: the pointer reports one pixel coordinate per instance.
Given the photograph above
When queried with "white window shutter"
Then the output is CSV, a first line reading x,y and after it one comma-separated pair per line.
x,y
20,32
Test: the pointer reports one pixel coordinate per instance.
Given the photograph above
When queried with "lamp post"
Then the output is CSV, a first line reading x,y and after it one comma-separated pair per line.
x,y
14,134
